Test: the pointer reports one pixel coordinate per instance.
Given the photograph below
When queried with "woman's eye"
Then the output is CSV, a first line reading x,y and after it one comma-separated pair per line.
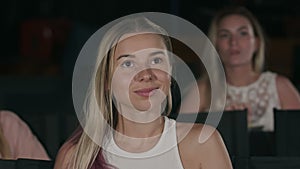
x,y
224,35
127,63
244,33
156,61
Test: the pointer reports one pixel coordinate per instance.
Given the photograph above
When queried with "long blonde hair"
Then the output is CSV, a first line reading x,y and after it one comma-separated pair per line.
x,y
259,55
99,111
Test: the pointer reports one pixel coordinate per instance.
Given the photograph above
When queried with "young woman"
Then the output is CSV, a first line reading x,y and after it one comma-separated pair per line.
x,y
125,120
240,42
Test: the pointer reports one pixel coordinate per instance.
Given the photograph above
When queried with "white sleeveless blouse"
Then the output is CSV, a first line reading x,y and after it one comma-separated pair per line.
x,y
262,96
163,155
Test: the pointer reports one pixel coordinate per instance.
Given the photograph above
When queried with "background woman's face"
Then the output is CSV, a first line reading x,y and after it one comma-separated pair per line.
x,y
141,77
236,41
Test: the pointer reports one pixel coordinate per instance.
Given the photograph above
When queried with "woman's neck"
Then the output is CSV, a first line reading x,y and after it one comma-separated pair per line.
x,y
138,137
241,75
140,130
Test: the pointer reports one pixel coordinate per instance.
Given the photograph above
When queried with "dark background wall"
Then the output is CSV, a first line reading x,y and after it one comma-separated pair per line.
x,y
40,41
279,18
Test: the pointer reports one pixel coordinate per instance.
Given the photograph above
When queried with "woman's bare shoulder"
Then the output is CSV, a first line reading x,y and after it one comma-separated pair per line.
x,y
195,131
203,144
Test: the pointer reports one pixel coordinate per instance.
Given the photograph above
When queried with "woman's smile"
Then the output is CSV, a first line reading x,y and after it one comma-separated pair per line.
x,y
146,92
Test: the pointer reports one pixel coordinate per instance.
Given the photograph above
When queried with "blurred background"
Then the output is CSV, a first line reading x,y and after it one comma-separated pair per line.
x,y
41,39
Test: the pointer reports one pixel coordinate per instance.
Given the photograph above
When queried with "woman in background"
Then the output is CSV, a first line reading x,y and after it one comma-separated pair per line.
x,y
240,42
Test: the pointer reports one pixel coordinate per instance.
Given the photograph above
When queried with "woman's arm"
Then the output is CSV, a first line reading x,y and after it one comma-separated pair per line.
x,y
214,153
23,143
288,95
205,154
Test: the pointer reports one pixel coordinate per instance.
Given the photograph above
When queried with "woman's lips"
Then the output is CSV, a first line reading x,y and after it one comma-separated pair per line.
x,y
234,52
146,92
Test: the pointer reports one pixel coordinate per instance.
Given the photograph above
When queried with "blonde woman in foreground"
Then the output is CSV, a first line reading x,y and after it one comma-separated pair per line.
x,y
127,106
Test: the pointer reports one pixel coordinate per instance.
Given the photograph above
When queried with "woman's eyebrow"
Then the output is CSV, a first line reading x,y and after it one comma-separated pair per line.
x,y
226,30
222,30
132,56
243,27
125,55
156,53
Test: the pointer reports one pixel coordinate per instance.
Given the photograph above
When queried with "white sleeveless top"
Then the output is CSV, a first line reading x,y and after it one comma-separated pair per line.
x,y
163,155
262,96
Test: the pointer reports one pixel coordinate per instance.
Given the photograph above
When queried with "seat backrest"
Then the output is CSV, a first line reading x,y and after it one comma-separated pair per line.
x,y
232,127
287,135
26,164
274,162
261,143
34,164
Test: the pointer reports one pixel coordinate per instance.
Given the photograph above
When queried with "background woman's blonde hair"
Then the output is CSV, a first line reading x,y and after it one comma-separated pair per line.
x,y
100,115
259,55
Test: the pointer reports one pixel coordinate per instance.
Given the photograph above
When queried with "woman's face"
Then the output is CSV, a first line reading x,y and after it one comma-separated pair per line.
x,y
235,41
141,77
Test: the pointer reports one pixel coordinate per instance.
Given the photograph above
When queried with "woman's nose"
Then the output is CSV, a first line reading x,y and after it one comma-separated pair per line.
x,y
145,75
233,40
